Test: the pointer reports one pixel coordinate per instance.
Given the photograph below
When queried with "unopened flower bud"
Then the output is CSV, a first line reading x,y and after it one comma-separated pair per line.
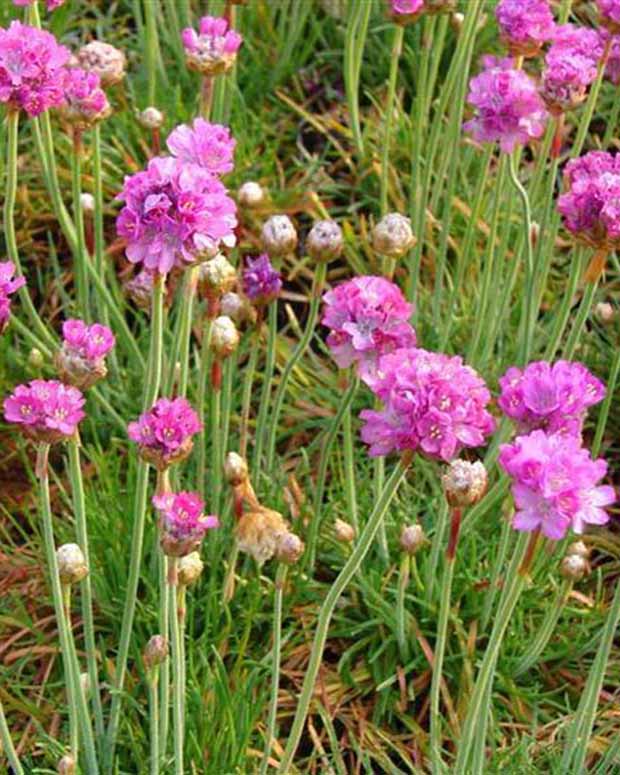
x,y
457,20
224,336
217,276
325,241
392,236
412,538
574,567
35,358
151,118
105,60
235,469
87,203
259,533
85,684
66,766
604,312
237,308
578,548
155,652
72,566
189,569
344,532
290,548
251,195
279,236
464,483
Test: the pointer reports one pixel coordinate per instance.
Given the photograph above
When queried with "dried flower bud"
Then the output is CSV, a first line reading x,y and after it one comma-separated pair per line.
x,y
457,20
412,538
279,236
604,312
344,532
155,652
85,684
260,532
464,483
66,766
290,548
574,567
578,548
189,569
140,290
151,118
87,203
235,469
325,241
251,195
35,358
392,236
534,233
72,566
224,337
217,276
107,61
237,308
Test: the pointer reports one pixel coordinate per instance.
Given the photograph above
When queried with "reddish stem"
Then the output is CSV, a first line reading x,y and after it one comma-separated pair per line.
x,y
530,552
455,527
216,374
156,141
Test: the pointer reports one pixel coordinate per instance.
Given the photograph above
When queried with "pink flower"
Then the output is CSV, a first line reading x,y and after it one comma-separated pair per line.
x,y
164,433
525,24
550,397
85,101
81,360
8,285
509,108
31,69
554,484
183,522
175,214
46,410
609,11
213,49
51,4
261,282
433,403
407,6
367,317
207,145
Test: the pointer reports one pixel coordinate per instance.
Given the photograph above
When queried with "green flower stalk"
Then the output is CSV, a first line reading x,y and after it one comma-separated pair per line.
x,y
178,672
155,653
81,273
357,29
7,745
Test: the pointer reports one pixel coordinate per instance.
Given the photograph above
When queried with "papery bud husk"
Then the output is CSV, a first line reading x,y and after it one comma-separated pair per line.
x,y
259,533
189,569
290,548
412,538
344,532
574,567
104,59
224,337
155,652
151,118
173,546
325,241
464,483
579,548
604,312
72,566
67,765
251,195
35,358
87,203
217,276
238,308
235,469
77,371
161,461
392,236
279,236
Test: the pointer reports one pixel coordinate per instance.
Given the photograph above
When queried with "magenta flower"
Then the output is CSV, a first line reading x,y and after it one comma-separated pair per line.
x,y
433,403
525,24
213,49
591,206
207,145
85,102
81,360
407,7
509,108
8,285
555,484
164,433
51,4
367,317
31,69
554,397
46,410
261,282
175,214
183,522
609,11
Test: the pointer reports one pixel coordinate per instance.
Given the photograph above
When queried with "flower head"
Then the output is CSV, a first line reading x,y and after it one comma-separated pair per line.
x,y
207,145
279,236
164,433
45,410
51,5
550,397
8,285
183,522
406,11
260,532
31,68
213,49
367,317
392,235
85,102
525,25
140,289
433,403
107,61
72,566
175,214
555,484
325,241
261,282
81,360
509,109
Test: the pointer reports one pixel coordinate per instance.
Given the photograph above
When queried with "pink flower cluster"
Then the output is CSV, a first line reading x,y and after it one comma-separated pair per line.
x,y
407,7
164,433
183,522
51,4
46,410
432,402
31,69
550,397
509,108
81,361
261,282
610,13
207,145
213,49
570,66
175,213
367,317
555,484
591,206
525,24
85,102
8,285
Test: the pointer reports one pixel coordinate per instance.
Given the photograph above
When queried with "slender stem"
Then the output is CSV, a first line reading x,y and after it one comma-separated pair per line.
x,y
74,732
99,256
181,347
388,116
404,575
304,342
350,487
357,26
177,670
545,630
585,308
588,112
154,721
164,669
246,399
506,534
81,257
217,458
563,315
436,545
203,381
603,414
152,47
272,716
326,612
263,407
8,749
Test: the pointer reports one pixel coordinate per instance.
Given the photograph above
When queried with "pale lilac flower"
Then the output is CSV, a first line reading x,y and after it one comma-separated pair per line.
x,y
31,69
183,522
46,410
85,102
554,397
213,49
164,433
175,214
367,317
433,403
207,145
555,484
8,285
525,24
81,360
261,282
609,11
51,4
508,106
